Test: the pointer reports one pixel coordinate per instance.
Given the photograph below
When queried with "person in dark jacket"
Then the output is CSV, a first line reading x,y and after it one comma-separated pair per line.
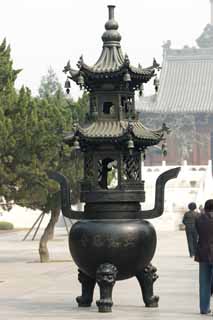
x,y
204,255
191,232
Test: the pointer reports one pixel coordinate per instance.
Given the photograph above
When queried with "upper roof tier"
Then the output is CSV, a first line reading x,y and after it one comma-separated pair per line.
x,y
112,64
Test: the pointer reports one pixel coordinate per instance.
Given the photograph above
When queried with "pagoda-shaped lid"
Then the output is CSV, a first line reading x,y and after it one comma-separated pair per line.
x,y
111,58
112,81
111,62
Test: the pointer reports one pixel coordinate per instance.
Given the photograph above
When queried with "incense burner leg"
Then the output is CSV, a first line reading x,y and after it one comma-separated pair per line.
x,y
106,277
87,285
146,280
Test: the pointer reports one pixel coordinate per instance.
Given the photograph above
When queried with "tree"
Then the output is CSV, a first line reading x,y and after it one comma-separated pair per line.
x,y
8,99
51,119
51,93
54,114
183,130
49,85
31,132
38,126
184,133
80,108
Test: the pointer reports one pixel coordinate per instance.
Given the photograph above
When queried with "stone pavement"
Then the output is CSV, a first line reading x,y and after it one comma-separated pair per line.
x,y
31,290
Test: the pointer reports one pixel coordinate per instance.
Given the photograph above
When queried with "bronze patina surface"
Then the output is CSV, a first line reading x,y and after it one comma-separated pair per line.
x,y
111,240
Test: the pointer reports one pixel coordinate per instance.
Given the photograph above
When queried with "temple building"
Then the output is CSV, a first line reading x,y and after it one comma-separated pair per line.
x,y
184,93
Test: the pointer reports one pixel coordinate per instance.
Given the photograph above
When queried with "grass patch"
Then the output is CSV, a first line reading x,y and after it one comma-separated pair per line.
x,y
4,225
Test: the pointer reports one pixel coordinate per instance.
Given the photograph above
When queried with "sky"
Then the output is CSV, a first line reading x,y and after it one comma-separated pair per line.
x,y
48,33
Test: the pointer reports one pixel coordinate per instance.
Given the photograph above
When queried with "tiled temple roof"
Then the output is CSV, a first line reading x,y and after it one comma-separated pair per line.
x,y
186,83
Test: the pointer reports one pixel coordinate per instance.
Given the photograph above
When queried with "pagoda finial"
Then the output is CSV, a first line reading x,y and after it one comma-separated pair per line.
x,y
111,35
111,12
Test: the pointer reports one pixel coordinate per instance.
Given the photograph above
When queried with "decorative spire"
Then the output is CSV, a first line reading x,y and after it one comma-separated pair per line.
x,y
111,12
111,36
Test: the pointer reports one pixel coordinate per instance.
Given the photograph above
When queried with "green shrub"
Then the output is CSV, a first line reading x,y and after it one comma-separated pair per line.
x,y
4,225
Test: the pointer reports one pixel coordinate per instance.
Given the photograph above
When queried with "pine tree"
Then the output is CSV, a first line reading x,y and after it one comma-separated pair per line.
x,y
49,85
57,118
31,136
8,98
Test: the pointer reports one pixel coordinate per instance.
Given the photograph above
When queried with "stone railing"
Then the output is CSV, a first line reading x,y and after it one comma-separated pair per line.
x,y
194,183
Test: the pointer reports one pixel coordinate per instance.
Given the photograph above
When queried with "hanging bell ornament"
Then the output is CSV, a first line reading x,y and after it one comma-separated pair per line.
x,y
126,77
130,145
156,84
80,80
67,86
141,90
144,155
164,149
76,145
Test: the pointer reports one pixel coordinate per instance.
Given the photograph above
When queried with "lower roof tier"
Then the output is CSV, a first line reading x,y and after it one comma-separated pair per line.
x,y
110,130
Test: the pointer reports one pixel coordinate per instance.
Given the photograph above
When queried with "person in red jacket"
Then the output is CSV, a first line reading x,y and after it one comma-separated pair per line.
x,y
204,255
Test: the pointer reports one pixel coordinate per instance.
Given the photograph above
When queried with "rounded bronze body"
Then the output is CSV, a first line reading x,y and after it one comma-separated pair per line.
x,y
112,241
127,244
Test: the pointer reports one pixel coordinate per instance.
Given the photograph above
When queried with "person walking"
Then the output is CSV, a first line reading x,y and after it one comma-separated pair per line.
x,y
201,209
191,232
204,255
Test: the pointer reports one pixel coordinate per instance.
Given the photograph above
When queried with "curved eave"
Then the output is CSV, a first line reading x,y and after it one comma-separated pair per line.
x,y
116,131
74,73
91,71
115,72
154,135
139,142
139,71
69,138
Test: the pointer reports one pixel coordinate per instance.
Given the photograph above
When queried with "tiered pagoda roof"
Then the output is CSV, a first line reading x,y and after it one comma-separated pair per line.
x,y
112,64
114,71
119,130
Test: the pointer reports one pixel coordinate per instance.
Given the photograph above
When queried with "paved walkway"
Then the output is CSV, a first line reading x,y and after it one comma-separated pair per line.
x,y
30,290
